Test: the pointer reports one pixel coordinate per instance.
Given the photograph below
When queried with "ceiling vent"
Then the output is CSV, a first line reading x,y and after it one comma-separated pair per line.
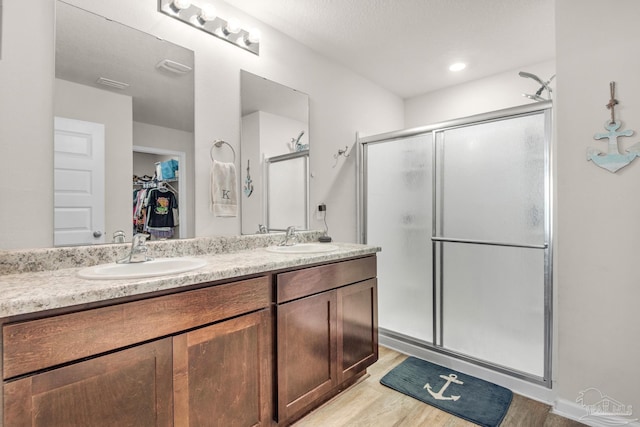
x,y
112,83
173,66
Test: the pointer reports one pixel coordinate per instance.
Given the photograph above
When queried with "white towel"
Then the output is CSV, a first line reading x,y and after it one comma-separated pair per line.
x,y
224,201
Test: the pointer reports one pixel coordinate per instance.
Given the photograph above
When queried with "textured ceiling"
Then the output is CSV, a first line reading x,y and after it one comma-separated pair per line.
x,y
406,46
89,46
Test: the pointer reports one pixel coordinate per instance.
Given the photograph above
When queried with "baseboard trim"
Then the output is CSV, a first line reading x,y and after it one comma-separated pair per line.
x,y
519,386
562,407
572,410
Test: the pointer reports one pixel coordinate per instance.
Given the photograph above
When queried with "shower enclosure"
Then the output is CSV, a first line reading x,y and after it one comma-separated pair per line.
x,y
462,212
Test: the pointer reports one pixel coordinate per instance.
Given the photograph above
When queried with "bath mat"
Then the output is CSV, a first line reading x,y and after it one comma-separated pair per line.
x,y
462,395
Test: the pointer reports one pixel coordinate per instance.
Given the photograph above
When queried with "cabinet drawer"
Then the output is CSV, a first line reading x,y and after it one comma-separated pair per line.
x,y
33,345
308,281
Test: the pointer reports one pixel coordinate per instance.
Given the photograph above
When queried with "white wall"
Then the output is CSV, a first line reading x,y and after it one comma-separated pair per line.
x,y
493,93
115,111
26,124
341,104
598,232
276,133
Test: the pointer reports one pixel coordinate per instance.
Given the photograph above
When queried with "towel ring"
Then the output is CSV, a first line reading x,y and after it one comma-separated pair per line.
x,y
217,144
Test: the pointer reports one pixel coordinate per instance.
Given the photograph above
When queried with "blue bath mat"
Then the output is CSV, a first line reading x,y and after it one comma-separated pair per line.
x,y
462,395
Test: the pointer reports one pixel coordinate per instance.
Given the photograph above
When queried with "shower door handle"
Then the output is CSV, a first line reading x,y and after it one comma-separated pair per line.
x,y
488,243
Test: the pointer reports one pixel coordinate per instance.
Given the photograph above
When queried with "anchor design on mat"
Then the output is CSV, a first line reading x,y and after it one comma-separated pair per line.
x,y
451,378
613,160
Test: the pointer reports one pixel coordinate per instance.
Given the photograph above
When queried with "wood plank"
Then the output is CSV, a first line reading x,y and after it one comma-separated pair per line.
x,y
223,373
300,283
357,328
306,345
369,403
136,381
38,344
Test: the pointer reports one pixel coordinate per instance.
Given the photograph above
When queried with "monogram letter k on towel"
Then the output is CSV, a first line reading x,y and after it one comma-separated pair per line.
x,y
224,200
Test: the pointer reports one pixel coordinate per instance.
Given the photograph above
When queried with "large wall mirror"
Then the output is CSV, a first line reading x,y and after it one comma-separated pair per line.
x,y
124,109
274,155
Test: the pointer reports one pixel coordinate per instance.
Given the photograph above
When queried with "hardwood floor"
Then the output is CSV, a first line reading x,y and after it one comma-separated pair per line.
x,y
369,403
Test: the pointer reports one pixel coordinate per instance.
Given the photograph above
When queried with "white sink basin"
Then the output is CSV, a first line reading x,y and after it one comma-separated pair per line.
x,y
303,248
157,267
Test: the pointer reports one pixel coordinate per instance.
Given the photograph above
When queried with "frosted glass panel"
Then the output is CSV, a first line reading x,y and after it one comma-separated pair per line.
x,y
493,304
398,218
493,181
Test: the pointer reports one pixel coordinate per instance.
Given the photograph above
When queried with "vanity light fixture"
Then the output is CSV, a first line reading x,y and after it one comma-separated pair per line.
x,y
205,19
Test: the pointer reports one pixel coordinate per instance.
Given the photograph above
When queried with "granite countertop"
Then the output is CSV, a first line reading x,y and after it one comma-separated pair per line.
x,y
30,292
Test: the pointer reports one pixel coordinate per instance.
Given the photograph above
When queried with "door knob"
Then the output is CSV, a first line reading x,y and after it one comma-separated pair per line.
x,y
97,234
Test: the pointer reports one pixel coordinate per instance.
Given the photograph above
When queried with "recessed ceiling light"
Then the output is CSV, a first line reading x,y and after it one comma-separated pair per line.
x,y
458,66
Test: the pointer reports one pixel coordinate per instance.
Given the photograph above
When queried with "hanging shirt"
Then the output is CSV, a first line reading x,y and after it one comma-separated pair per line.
x,y
160,205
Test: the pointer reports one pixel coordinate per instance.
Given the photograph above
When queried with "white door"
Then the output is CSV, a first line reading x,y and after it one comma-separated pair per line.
x,y
78,182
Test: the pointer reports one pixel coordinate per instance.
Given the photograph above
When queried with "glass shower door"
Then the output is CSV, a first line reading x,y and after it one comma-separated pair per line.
x,y
398,203
492,245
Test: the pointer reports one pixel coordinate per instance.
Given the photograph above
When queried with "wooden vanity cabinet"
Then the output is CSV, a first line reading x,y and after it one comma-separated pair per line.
x,y
193,358
357,328
307,352
199,357
326,332
222,373
130,387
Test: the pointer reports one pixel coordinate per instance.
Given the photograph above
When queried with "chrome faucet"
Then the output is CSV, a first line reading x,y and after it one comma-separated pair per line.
x,y
290,238
138,250
118,236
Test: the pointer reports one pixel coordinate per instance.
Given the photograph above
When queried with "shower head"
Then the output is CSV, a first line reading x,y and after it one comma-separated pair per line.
x,y
535,97
544,86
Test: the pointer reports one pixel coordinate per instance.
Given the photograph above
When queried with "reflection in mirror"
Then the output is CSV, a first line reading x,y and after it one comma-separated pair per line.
x,y
0,29
288,191
140,91
274,126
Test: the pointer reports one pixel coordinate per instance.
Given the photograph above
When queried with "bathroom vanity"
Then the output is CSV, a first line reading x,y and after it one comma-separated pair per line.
x,y
253,338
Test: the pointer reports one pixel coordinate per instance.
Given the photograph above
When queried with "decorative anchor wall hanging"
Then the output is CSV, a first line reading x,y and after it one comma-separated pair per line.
x,y
248,182
613,160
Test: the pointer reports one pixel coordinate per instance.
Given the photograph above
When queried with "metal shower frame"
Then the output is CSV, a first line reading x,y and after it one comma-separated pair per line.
x,y
544,107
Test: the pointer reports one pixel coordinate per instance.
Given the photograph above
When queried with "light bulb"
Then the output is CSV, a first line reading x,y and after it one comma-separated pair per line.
x,y
177,5
232,27
182,4
208,13
253,37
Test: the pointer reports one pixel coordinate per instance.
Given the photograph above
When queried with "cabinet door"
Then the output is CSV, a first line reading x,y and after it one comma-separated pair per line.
x,y
131,387
223,373
357,328
306,351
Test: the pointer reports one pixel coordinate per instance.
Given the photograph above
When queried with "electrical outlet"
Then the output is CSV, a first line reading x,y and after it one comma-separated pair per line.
x,y
321,212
